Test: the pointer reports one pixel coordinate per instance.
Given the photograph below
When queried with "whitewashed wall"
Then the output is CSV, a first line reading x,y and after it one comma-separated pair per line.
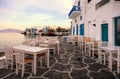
x,y
104,14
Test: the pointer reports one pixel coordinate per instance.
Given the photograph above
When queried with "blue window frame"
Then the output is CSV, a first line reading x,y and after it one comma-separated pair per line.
x,y
78,3
117,31
80,17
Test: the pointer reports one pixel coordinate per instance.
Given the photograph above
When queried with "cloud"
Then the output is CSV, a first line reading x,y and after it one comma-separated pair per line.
x,y
35,11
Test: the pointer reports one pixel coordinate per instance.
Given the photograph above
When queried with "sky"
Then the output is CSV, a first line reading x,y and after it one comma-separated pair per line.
x,y
20,14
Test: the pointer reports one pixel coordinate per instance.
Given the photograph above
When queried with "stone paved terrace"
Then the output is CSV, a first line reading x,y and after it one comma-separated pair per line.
x,y
70,64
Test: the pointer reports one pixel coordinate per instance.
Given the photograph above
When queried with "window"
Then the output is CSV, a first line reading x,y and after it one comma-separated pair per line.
x,y
78,3
75,21
89,1
101,3
80,17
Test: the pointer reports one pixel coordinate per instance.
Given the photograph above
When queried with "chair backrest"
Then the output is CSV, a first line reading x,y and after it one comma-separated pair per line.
x,y
43,45
70,38
51,43
75,38
19,56
8,52
88,39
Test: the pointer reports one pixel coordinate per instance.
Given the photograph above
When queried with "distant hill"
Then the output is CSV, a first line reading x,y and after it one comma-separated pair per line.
x,y
10,31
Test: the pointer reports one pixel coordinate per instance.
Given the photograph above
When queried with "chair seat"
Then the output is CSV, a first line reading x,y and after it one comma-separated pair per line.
x,y
27,60
40,55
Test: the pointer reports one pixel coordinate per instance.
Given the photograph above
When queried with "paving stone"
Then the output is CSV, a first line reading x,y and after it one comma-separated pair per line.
x,y
52,61
74,59
14,76
96,67
41,71
63,61
118,75
79,74
67,56
78,64
103,74
89,60
69,53
62,67
57,75
37,78
4,72
78,54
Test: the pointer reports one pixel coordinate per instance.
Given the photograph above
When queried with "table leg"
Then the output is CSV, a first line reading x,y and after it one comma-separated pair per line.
x,y
110,62
35,64
48,58
58,48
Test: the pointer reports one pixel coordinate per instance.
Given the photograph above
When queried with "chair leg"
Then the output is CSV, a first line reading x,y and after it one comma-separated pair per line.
x,y
16,69
32,66
23,67
104,56
6,62
12,64
93,54
100,58
85,49
89,52
54,51
118,66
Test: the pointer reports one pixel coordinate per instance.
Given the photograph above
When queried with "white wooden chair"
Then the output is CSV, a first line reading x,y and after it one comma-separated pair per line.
x,y
9,56
80,41
93,48
102,55
71,40
116,57
52,45
42,54
21,61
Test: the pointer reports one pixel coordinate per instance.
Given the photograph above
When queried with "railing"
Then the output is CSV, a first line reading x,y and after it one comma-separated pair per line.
x,y
75,8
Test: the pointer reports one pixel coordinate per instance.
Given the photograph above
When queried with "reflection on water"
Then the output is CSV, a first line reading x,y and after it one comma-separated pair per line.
x,y
14,38
31,36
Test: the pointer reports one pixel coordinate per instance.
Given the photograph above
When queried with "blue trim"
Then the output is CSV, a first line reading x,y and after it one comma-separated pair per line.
x,y
104,32
73,30
82,29
74,8
76,29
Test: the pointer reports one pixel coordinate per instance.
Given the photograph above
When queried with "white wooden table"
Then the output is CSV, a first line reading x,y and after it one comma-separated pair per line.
x,y
34,51
110,50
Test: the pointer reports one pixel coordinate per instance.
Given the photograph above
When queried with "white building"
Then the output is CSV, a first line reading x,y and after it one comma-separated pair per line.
x,y
99,19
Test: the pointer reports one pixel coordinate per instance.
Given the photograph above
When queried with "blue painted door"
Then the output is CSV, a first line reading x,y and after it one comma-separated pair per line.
x,y
104,28
117,31
82,29
76,29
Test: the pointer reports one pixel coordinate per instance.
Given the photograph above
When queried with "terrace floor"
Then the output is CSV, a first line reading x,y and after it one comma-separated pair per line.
x,y
70,64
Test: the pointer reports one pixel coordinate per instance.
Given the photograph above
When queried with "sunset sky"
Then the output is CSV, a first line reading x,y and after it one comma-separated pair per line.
x,y
19,14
